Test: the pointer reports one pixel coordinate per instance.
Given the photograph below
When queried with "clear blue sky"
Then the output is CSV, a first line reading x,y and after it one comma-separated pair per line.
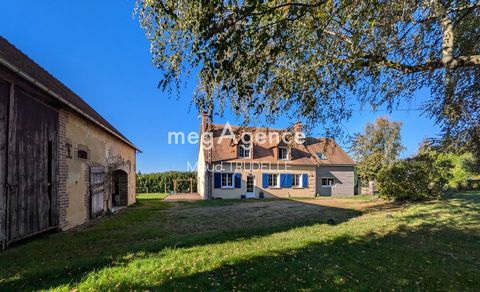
x,y
98,50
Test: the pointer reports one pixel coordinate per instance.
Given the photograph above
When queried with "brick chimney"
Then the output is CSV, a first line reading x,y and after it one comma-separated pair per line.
x,y
297,127
205,122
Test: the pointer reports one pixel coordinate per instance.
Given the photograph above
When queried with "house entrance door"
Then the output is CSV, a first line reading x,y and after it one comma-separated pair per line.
x,y
250,186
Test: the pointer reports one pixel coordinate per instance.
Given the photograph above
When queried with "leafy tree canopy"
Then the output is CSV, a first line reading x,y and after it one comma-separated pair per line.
x,y
315,59
464,166
379,145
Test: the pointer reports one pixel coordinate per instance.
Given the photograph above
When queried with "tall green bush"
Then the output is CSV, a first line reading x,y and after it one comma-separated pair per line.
x,y
423,177
161,181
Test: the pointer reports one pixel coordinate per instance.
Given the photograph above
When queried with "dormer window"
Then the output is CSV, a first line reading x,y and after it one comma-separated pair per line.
x,y
283,153
245,147
244,151
321,156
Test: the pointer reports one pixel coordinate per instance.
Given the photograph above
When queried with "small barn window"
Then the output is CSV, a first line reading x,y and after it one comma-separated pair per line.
x,y
69,150
82,152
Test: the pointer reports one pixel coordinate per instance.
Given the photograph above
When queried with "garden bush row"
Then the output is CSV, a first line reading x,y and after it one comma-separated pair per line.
x,y
163,181
426,176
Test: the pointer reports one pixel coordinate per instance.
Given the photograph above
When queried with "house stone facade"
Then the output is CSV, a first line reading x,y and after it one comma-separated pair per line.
x,y
230,169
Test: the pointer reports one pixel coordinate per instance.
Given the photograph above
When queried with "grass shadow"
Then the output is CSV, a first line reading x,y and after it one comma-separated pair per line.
x,y
430,246
66,258
408,259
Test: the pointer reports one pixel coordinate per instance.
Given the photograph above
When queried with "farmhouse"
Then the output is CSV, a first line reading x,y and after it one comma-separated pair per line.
x,y
61,163
236,165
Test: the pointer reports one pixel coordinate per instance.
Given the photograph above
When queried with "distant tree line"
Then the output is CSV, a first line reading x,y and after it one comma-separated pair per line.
x,y
161,182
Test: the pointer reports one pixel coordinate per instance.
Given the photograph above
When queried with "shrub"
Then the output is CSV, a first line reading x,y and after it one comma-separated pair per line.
x,y
476,186
161,181
463,169
420,178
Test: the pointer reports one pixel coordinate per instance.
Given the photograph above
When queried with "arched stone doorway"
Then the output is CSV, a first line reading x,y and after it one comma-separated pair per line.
x,y
120,188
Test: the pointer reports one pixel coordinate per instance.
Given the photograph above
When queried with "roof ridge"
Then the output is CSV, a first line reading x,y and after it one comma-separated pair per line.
x,y
31,65
274,129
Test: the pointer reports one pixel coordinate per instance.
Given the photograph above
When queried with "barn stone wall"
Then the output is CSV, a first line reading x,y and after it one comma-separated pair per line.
x,y
76,134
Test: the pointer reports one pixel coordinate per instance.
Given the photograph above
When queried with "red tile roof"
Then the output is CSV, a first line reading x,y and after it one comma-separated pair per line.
x,y
225,150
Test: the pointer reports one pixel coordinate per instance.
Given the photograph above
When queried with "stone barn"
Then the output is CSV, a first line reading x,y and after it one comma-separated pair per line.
x,y
61,163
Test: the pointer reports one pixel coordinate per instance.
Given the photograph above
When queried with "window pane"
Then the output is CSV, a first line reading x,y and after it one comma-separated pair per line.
x,y
273,180
328,181
282,153
227,179
244,151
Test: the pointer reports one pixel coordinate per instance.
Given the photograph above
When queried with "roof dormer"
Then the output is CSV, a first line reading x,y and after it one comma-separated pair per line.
x,y
283,153
321,155
245,147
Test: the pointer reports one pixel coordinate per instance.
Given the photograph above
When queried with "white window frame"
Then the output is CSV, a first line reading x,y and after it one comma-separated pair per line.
x,y
300,180
270,175
329,186
245,148
226,186
286,150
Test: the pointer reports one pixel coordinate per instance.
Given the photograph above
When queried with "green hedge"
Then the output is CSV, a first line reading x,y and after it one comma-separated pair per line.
x,y
161,181
423,177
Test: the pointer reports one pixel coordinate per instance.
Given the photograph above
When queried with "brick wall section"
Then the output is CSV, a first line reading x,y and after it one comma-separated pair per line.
x,y
62,169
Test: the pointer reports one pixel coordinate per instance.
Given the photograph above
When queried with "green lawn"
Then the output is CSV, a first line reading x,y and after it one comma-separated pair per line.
x,y
263,244
147,196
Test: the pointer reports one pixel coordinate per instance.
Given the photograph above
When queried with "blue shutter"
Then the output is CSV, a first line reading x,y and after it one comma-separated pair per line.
x,y
289,180
217,180
305,180
265,180
238,180
283,180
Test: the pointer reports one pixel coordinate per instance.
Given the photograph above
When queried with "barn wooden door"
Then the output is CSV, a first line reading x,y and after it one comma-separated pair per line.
x,y
32,164
4,97
97,190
